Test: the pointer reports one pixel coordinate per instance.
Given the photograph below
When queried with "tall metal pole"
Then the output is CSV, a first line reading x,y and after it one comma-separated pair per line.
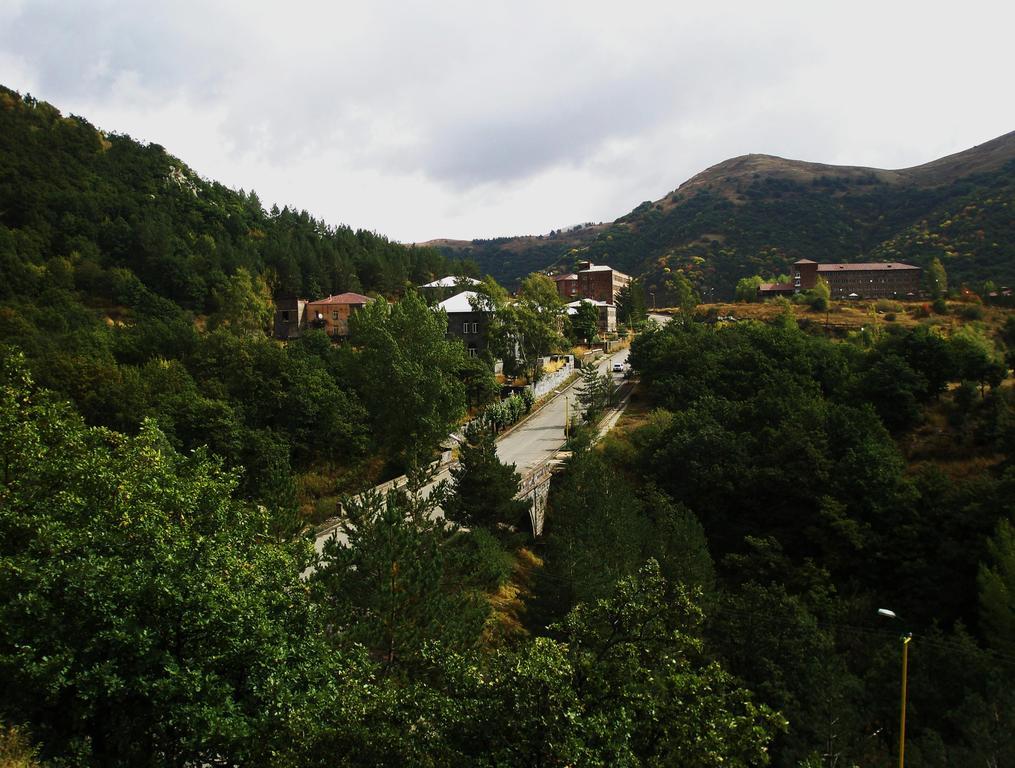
x,y
902,723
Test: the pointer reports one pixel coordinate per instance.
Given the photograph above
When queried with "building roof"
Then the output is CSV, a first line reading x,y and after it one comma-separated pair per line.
x,y
804,261
776,287
593,302
451,281
864,266
344,298
460,302
598,268
570,276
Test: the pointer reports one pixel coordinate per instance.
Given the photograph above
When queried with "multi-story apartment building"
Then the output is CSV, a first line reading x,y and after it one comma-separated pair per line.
x,y
869,280
467,323
600,282
567,286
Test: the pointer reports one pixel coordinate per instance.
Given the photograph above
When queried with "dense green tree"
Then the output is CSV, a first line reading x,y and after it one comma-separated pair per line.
x,y
243,305
596,391
774,642
387,580
937,280
150,619
405,371
626,684
997,589
597,532
631,307
483,489
481,386
585,322
530,327
747,288
977,358
685,298
819,295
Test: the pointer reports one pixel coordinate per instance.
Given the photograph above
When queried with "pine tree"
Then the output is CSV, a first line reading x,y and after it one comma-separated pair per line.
x,y
997,589
484,489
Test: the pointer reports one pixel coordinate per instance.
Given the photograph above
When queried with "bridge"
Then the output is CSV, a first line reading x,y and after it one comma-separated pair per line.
x,y
535,488
533,446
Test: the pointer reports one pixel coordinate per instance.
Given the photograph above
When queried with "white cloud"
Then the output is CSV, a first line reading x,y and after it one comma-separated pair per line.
x,y
461,119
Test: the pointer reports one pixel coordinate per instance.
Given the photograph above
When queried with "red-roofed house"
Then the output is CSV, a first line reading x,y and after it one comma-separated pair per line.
x,y
331,314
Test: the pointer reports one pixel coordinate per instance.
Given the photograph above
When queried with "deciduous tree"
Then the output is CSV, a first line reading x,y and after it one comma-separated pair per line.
x,y
406,373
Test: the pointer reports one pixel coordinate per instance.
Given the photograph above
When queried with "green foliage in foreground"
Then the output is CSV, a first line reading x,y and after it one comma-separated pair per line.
x,y
149,619
153,620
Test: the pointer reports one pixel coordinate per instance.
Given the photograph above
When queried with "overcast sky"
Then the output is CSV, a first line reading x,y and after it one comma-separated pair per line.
x,y
485,118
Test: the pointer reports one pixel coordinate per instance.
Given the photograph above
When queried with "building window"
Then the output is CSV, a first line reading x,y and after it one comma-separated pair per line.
x,y
465,327
472,350
334,314
475,327
285,315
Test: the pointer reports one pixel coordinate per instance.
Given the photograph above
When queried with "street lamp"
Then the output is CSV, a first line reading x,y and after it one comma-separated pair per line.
x,y
906,638
653,295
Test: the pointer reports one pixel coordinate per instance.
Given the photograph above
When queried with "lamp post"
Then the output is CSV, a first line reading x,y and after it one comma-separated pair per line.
x,y
653,295
906,638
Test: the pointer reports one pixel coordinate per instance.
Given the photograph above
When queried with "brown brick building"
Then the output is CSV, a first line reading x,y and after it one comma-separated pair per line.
x,y
333,313
600,282
567,286
871,280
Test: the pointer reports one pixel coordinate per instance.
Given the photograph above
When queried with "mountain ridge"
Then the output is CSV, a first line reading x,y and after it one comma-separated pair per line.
x,y
757,213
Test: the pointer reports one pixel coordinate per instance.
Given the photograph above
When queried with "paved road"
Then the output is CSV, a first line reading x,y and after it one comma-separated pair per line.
x,y
531,442
542,436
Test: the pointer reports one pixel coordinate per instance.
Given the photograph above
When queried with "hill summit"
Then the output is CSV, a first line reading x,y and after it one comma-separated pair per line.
x,y
757,214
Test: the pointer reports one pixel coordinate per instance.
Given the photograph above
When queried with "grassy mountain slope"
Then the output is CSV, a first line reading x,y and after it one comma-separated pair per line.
x,y
759,213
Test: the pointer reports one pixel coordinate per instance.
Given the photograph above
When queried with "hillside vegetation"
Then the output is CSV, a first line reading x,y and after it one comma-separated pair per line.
x,y
138,290
757,214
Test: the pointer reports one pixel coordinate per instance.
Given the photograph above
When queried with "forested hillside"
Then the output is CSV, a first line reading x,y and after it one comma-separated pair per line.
x,y
758,214
139,290
102,202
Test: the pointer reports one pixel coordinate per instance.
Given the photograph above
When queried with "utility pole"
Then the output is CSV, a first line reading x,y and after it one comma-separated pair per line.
x,y
906,638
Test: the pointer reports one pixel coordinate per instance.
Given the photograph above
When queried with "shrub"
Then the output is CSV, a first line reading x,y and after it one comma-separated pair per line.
x,y
528,398
887,305
492,564
496,416
940,306
971,312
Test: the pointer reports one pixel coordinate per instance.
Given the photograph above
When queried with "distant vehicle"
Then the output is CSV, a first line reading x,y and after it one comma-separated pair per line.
x,y
618,367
